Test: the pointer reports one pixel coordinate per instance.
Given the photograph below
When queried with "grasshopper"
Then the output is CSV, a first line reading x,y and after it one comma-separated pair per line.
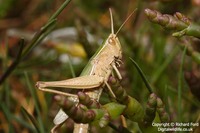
x,y
94,76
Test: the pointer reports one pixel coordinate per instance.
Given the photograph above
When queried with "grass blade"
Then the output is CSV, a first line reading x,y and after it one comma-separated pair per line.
x,y
142,76
71,67
180,76
33,94
31,118
8,116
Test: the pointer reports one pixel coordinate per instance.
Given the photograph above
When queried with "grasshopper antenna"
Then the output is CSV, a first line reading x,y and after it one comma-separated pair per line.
x,y
125,21
111,19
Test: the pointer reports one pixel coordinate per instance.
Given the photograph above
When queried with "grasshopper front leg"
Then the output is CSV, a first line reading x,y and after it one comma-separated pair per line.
x,y
117,72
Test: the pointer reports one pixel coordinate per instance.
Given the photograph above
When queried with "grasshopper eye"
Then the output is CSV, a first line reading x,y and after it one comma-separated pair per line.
x,y
111,41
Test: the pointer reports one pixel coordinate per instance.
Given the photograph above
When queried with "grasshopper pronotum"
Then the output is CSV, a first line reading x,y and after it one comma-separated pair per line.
x,y
93,77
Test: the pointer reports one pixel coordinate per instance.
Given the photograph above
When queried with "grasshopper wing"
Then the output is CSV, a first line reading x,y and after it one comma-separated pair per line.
x,y
83,82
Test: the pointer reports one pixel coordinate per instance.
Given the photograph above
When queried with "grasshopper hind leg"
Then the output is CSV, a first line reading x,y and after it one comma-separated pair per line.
x,y
41,86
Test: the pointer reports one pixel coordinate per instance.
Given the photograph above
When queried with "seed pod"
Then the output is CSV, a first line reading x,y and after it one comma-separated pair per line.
x,y
108,112
104,120
79,113
182,17
118,90
167,21
88,116
134,110
164,116
87,101
69,125
64,102
178,22
150,111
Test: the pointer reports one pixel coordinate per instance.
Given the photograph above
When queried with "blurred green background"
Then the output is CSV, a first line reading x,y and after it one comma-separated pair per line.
x,y
80,29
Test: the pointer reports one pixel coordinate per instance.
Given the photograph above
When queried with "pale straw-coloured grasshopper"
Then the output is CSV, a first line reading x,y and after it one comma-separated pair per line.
x,y
93,77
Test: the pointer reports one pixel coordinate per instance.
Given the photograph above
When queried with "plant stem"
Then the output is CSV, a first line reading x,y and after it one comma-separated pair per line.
x,y
71,67
193,30
180,85
62,7
14,64
35,98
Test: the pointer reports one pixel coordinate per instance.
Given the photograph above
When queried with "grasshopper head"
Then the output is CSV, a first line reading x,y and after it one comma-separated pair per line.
x,y
115,45
113,40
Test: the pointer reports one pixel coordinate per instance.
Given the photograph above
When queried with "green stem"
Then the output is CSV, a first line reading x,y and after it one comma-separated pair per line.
x,y
62,7
193,30
71,67
30,117
35,98
14,64
196,56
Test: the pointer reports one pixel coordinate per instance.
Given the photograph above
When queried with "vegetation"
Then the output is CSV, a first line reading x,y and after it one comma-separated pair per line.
x,y
53,40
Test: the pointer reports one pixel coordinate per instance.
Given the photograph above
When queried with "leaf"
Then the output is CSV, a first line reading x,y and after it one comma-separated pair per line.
x,y
142,76
31,118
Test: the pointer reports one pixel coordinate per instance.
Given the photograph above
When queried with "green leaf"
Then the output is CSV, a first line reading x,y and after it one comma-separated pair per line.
x,y
31,118
142,76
